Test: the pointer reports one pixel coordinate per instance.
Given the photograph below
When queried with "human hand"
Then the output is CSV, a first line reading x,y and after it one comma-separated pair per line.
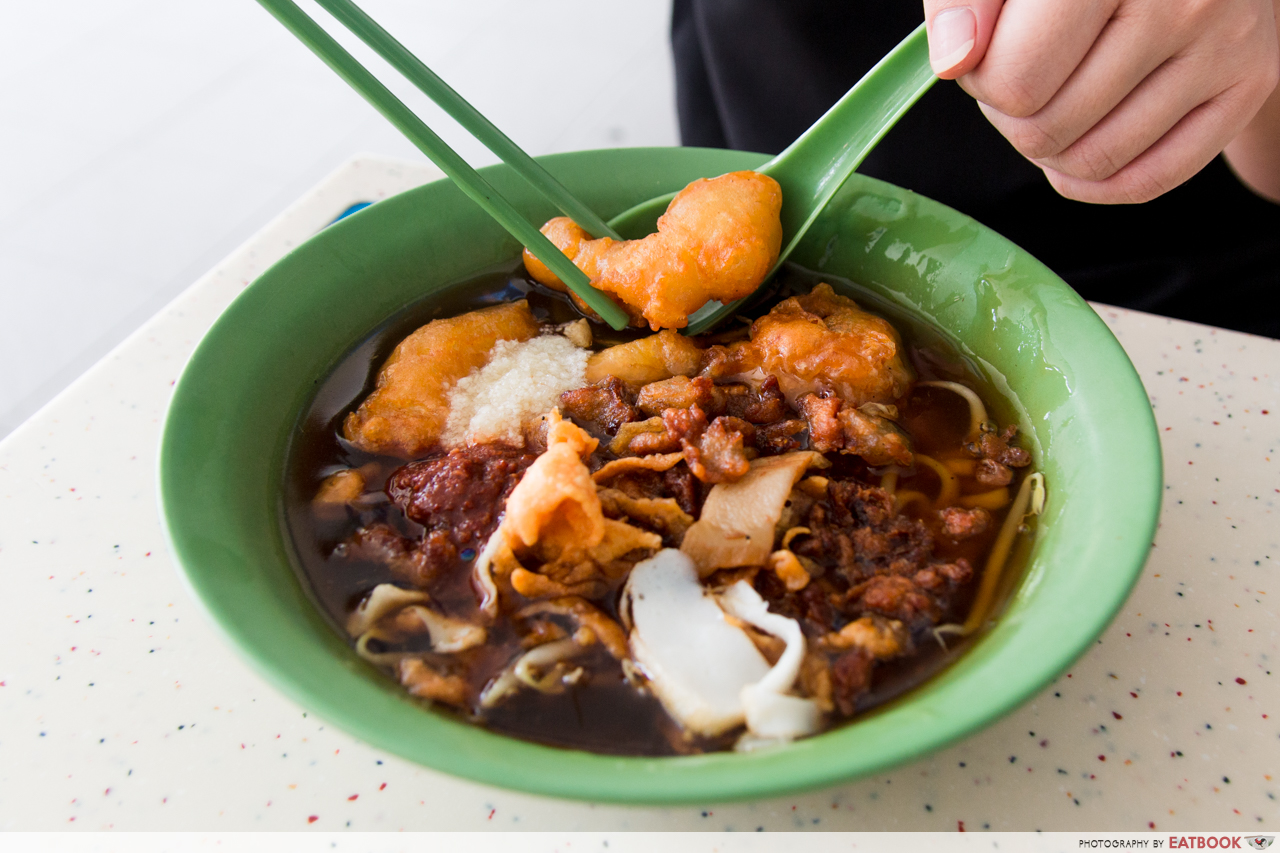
x,y
1118,101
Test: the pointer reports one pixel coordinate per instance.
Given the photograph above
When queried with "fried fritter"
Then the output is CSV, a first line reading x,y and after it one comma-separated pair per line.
x,y
717,240
648,359
407,411
821,342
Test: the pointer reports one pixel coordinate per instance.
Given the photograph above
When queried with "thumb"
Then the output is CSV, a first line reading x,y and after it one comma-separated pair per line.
x,y
959,32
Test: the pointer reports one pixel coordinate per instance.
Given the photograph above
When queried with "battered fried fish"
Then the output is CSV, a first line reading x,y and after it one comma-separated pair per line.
x,y
821,342
406,414
717,240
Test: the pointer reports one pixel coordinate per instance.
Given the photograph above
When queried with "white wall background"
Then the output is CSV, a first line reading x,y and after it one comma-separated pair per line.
x,y
142,140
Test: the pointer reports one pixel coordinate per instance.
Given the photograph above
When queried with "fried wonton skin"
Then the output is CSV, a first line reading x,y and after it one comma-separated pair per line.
x,y
554,518
555,506
823,341
717,240
406,413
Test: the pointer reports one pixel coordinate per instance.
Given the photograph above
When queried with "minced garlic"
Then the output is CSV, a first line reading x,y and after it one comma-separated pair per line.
x,y
522,380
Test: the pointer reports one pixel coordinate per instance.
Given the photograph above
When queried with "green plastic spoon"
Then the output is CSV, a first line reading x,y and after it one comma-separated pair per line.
x,y
818,163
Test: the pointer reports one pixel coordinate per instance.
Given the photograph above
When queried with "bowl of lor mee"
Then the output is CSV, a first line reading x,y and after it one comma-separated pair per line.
x,y
437,505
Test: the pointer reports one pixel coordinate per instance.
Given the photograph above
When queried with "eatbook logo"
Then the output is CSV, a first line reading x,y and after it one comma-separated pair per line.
x,y
1261,842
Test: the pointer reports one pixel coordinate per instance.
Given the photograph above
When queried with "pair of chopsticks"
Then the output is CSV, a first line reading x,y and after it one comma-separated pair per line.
x,y
458,170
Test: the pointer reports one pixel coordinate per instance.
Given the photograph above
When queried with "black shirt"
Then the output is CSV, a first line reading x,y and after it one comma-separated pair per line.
x,y
754,74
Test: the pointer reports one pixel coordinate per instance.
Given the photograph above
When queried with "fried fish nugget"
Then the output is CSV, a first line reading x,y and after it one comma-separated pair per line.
x,y
406,413
717,240
822,341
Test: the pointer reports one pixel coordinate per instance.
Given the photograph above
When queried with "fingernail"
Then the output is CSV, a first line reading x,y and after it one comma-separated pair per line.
x,y
951,37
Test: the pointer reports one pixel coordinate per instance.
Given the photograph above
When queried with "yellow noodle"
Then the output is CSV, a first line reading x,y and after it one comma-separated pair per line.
x,y
977,411
961,467
543,668
792,534
994,499
815,486
907,498
380,658
889,481
1000,550
789,570
950,485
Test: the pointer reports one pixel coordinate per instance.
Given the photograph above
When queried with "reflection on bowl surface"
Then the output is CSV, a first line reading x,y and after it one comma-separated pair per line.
x,y
1067,382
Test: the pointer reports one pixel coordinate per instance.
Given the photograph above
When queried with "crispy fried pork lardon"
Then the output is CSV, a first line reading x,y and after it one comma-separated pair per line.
x,y
717,240
407,411
821,342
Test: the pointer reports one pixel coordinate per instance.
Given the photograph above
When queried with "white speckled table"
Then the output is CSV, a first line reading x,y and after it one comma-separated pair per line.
x,y
121,707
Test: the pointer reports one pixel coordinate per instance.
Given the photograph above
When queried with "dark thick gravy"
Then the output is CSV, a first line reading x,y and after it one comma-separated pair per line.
x,y
602,712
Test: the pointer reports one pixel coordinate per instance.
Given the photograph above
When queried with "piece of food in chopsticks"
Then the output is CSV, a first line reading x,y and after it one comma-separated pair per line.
x,y
717,241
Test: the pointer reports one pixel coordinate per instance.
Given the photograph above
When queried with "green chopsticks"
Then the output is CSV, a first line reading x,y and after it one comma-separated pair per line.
x,y
458,170
385,45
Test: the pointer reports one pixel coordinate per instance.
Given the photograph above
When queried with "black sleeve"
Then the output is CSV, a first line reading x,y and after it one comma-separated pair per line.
x,y
753,74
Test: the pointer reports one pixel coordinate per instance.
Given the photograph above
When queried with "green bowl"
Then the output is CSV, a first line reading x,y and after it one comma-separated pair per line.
x,y
222,466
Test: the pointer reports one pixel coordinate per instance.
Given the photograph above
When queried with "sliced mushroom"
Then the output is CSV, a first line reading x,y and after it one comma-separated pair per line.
x,y
739,519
